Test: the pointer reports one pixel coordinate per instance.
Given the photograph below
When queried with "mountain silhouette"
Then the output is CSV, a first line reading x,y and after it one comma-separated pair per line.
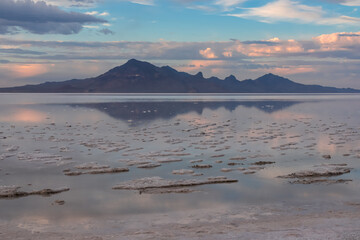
x,y
142,77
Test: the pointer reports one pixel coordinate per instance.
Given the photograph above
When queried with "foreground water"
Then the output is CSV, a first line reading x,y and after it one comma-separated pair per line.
x,y
249,138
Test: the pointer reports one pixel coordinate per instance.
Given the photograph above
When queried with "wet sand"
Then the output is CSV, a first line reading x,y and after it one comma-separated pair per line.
x,y
335,221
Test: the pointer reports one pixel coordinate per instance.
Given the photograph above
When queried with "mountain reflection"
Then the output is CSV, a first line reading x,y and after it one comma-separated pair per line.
x,y
148,111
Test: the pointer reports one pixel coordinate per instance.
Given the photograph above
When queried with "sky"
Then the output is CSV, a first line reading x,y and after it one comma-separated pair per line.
x,y
310,42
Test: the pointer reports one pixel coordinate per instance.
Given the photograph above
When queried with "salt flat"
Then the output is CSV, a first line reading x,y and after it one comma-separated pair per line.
x,y
189,167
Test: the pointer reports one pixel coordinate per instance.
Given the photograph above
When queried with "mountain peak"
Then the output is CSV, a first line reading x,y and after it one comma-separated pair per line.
x,y
132,67
270,74
135,62
199,75
231,78
272,78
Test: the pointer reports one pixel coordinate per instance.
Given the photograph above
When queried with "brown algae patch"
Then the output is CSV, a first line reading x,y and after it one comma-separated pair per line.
x,y
325,170
149,165
14,192
166,190
201,166
91,166
158,182
320,181
260,163
320,174
96,171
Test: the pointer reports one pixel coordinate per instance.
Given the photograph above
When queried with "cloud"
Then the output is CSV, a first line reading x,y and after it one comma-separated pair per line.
x,y
143,2
40,18
271,47
91,27
106,31
344,45
338,40
337,45
15,74
20,51
104,14
26,70
72,3
226,4
287,10
325,58
211,5
202,8
292,70
96,13
207,53
92,13
195,66
352,3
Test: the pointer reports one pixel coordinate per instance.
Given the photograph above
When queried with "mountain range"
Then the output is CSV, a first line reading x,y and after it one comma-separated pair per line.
x,y
142,77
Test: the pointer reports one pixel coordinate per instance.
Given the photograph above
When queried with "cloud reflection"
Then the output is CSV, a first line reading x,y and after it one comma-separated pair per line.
x,y
23,115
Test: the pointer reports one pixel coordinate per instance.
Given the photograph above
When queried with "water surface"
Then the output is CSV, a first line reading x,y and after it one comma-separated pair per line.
x,y
115,129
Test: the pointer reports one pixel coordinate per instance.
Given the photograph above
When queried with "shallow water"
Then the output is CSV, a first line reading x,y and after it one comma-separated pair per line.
x,y
43,134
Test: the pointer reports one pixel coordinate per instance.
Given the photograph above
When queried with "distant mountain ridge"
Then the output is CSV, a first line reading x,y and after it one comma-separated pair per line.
x,y
142,77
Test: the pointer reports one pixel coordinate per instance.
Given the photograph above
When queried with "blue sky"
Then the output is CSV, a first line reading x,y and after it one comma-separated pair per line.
x,y
312,42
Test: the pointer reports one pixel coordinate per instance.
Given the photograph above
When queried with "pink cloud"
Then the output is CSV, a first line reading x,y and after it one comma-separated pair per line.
x,y
26,70
338,41
291,70
267,48
208,53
